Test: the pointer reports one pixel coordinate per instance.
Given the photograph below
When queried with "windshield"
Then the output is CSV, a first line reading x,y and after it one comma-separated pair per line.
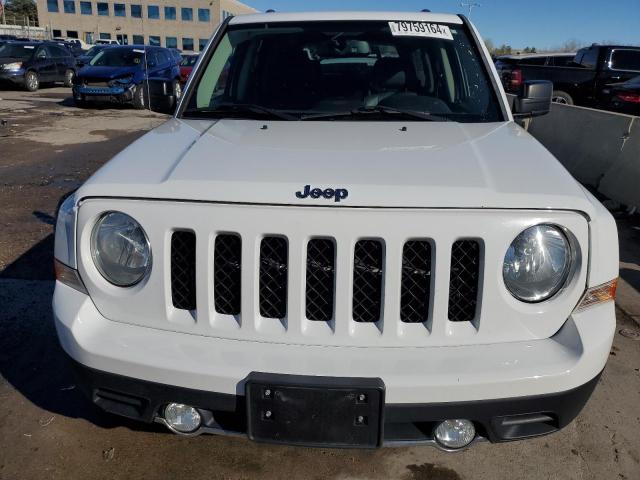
x,y
315,69
12,50
93,51
188,61
118,57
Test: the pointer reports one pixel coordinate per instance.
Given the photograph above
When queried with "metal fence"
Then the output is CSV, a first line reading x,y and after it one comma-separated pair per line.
x,y
24,29
600,149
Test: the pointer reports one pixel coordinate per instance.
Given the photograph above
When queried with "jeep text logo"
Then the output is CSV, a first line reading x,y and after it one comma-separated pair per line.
x,y
337,194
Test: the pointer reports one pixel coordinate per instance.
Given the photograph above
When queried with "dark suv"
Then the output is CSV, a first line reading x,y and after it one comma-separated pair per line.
x,y
29,64
136,74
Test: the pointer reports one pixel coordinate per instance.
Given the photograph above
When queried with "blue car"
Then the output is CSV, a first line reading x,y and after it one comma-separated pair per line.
x,y
142,76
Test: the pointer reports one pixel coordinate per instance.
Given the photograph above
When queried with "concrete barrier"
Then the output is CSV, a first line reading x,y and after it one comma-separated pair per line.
x,y
600,149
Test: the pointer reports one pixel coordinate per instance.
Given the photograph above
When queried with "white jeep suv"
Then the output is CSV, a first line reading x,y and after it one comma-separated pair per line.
x,y
341,238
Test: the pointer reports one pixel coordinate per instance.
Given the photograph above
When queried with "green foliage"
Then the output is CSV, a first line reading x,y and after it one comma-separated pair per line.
x,y
21,8
503,50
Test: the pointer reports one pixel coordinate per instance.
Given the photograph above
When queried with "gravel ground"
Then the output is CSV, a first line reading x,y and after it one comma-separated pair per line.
x,y
48,430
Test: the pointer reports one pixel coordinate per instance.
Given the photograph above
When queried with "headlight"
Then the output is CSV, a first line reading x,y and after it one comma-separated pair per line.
x,y
537,263
12,66
120,249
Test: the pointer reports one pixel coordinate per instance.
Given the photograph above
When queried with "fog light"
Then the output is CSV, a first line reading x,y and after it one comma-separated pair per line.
x,y
182,418
455,433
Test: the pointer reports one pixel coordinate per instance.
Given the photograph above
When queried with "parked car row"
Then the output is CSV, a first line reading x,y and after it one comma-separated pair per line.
x,y
593,77
138,75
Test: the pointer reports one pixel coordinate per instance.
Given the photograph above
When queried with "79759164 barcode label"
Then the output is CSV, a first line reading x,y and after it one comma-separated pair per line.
x,y
420,29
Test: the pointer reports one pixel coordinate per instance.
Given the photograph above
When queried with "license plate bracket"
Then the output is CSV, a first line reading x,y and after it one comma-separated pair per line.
x,y
315,411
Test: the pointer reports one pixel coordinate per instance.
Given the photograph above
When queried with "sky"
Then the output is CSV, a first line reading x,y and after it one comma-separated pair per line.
x,y
543,24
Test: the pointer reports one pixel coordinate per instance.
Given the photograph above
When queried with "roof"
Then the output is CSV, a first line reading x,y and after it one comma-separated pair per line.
x,y
336,16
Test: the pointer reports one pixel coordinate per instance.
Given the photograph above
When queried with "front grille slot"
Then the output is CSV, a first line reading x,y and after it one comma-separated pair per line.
x,y
273,277
227,263
463,284
321,271
367,280
416,281
183,270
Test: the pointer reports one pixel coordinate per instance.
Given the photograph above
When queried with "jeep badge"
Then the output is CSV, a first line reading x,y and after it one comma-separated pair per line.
x,y
338,194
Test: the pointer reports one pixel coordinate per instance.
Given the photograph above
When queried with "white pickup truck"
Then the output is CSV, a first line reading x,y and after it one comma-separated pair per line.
x,y
341,238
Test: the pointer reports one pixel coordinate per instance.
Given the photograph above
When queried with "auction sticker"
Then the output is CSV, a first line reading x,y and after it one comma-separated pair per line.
x,y
420,29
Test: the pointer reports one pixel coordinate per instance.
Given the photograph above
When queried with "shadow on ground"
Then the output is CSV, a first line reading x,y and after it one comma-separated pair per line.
x,y
31,359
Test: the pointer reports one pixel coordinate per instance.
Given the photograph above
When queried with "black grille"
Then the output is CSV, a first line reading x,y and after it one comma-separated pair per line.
x,y
273,277
367,281
463,285
226,274
321,271
416,281
183,270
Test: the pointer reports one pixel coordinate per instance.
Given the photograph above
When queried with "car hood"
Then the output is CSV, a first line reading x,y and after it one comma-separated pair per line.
x,y
108,73
380,164
5,60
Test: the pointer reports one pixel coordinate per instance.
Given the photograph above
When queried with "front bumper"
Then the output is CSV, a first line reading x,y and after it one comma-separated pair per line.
x,y
498,420
123,94
486,383
12,76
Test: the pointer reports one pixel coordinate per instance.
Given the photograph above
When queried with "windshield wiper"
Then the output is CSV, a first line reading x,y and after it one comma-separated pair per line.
x,y
378,110
238,109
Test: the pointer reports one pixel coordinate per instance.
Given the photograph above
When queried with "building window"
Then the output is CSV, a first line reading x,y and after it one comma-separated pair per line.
x,y
136,11
52,6
202,43
103,9
105,36
187,14
138,39
226,14
171,42
204,15
153,12
187,44
85,8
119,10
69,6
154,40
72,34
169,13
56,33
88,37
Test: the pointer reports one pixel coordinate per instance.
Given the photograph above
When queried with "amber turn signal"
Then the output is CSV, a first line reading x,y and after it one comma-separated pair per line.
x,y
596,295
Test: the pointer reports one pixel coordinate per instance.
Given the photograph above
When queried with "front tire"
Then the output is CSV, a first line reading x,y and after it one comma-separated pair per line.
x,y
562,98
140,99
31,81
69,76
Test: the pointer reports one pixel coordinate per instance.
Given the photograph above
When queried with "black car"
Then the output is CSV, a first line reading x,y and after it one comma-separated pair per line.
x,y
624,97
29,64
86,57
584,80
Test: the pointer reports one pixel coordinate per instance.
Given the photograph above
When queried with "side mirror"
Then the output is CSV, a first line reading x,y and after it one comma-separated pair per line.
x,y
534,99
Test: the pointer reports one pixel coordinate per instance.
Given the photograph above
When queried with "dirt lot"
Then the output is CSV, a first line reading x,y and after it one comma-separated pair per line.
x,y
48,430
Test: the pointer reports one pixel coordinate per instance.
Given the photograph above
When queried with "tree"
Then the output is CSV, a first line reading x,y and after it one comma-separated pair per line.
x,y
21,9
503,50
489,44
570,46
